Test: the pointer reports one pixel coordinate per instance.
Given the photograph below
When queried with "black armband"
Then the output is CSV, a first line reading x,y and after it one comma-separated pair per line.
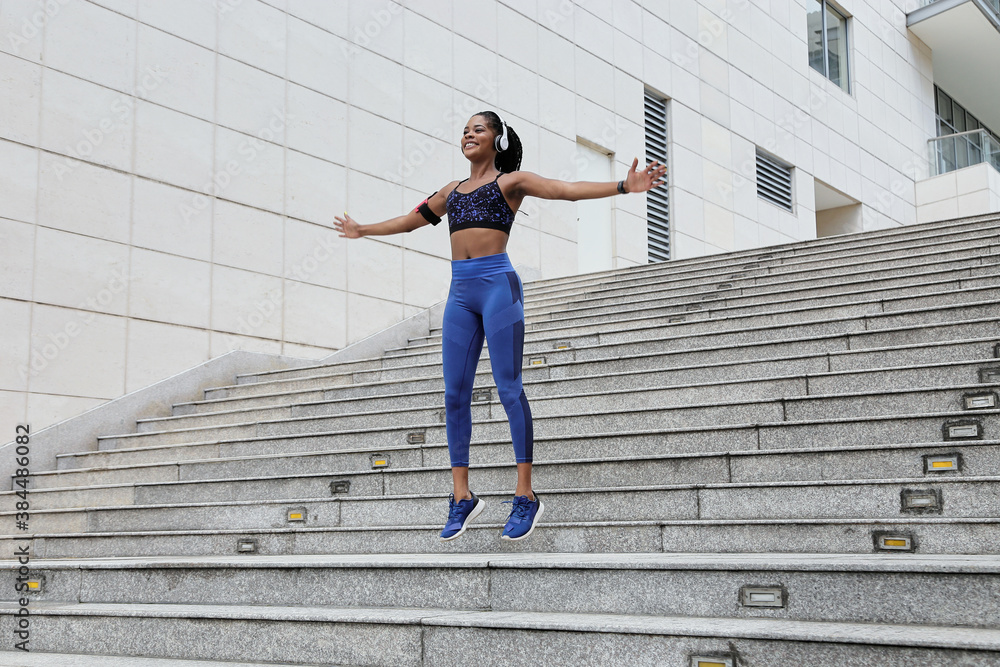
x,y
425,210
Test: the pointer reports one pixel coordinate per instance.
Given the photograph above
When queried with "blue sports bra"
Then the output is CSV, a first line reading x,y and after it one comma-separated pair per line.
x,y
483,207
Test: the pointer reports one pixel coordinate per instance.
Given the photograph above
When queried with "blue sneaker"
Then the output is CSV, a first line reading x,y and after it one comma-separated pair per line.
x,y
523,517
460,514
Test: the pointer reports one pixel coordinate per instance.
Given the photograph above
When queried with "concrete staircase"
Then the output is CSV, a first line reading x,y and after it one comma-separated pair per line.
x,y
784,456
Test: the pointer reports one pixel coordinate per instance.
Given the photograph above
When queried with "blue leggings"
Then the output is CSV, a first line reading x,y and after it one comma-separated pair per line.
x,y
486,297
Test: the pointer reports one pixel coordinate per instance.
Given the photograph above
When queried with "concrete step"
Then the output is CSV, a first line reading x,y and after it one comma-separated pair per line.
x,y
426,469
769,275
741,380
695,330
414,637
757,277
737,362
205,461
898,328
733,303
912,310
723,313
885,499
976,233
661,387
619,411
48,659
881,588
763,435
764,276
931,535
305,369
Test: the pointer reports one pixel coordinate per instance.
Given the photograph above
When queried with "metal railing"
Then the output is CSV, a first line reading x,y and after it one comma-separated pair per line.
x,y
995,4
964,149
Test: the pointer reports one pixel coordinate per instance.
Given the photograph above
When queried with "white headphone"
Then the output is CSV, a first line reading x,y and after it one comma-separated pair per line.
x,y
500,143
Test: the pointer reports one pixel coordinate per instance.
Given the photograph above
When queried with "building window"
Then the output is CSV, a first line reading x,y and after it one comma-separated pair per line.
x,y
774,181
657,209
953,118
973,144
827,37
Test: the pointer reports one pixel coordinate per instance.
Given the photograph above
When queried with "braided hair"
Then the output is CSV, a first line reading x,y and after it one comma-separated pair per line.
x,y
510,159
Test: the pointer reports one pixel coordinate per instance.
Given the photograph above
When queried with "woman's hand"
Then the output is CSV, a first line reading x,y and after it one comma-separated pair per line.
x,y
347,226
645,179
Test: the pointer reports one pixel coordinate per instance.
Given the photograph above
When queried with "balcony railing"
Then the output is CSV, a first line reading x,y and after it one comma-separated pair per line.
x,y
995,4
955,151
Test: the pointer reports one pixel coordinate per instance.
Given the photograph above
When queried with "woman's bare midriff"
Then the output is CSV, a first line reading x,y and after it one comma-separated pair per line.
x,y
477,242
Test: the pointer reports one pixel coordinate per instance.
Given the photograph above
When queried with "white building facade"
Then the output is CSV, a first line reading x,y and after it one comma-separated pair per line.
x,y
169,171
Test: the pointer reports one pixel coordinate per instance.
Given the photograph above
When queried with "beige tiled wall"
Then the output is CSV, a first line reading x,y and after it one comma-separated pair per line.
x,y
970,191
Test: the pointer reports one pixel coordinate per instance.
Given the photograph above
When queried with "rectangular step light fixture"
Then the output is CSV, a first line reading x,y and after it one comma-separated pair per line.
x,y
416,438
536,361
725,286
36,584
763,596
563,345
691,307
246,546
921,501
297,515
989,375
481,395
983,400
935,463
712,661
339,486
963,429
379,460
676,319
893,541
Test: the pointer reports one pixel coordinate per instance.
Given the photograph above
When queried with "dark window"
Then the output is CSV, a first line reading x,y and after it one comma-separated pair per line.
x,y
827,41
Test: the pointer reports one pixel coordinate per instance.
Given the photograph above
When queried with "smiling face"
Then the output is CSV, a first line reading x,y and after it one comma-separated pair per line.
x,y
477,138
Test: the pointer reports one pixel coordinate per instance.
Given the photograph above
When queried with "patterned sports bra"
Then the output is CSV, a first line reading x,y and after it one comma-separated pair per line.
x,y
483,207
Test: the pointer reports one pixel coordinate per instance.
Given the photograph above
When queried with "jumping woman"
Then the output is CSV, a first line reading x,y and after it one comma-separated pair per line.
x,y
486,297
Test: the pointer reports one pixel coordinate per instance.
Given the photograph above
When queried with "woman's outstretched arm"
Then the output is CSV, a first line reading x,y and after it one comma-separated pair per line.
x,y
350,228
532,185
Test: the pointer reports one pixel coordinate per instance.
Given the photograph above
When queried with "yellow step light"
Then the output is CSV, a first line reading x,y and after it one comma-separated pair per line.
x,y
697,661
